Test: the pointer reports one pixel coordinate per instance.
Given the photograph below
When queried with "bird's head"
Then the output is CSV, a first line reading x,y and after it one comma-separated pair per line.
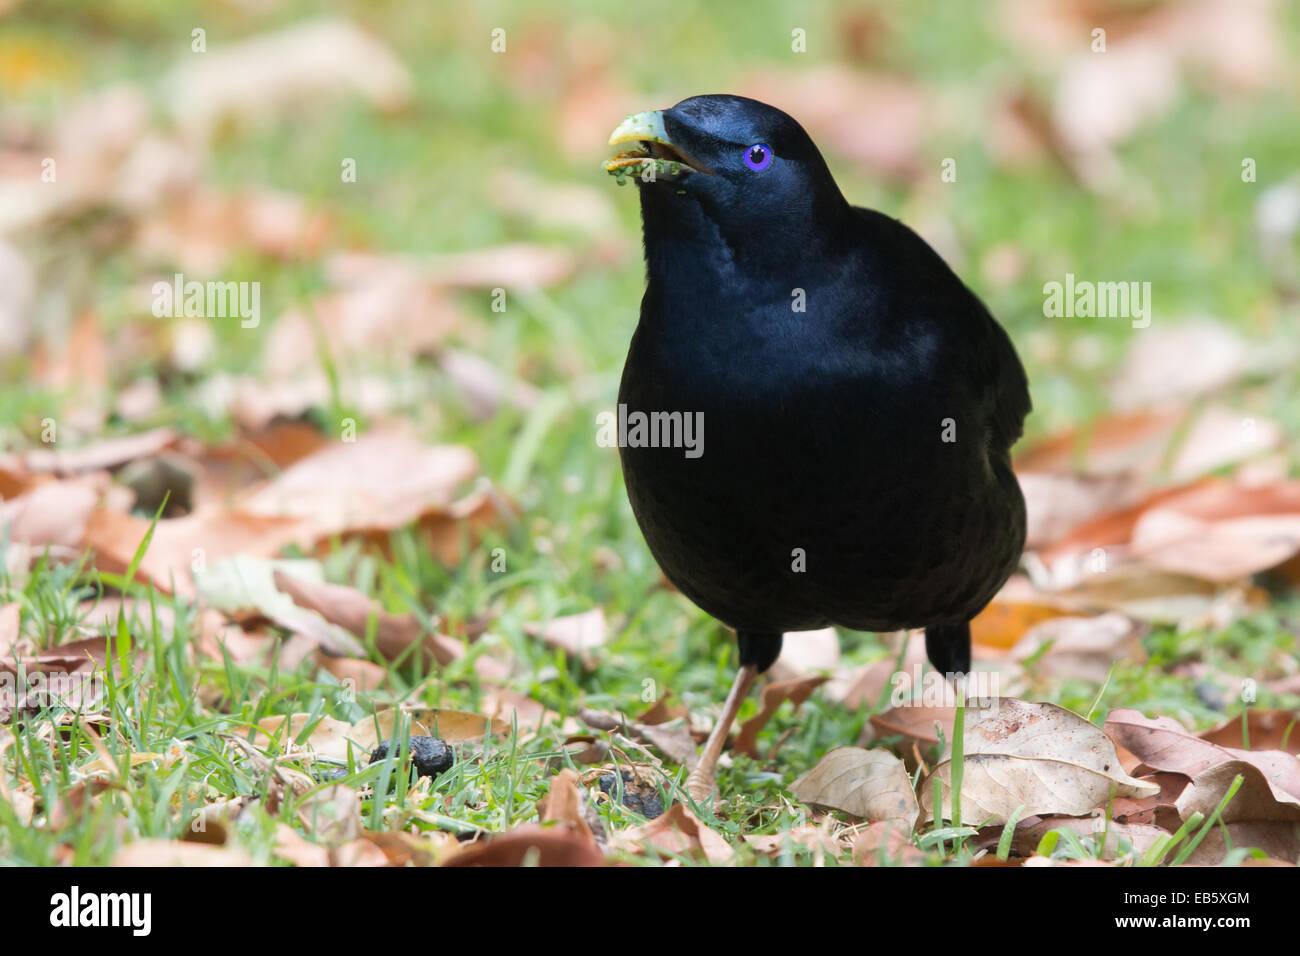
x,y
746,167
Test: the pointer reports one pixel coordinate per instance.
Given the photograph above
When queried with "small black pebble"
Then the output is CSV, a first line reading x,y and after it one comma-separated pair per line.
x,y
648,804
429,755
330,773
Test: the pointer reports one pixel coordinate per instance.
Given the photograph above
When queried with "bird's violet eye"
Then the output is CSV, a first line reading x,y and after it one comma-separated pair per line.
x,y
758,157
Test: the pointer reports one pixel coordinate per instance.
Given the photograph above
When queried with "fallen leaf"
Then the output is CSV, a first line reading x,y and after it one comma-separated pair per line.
x,y
180,544
530,845
1220,551
1162,743
774,695
575,634
804,653
1260,814
1139,837
916,722
332,814
104,455
867,784
329,737
353,611
451,726
564,802
1003,622
1056,503
1189,443
676,833
1038,757
355,673
1268,730
809,836
242,584
517,265
53,513
886,842
264,77
178,853
1154,809
1081,647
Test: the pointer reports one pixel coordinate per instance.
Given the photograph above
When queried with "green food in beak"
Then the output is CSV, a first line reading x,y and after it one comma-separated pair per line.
x,y
654,152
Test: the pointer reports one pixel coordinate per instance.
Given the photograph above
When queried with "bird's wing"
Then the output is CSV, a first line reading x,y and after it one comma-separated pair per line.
x,y
978,341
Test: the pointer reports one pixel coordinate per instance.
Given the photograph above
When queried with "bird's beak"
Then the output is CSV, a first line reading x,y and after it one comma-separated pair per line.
x,y
654,149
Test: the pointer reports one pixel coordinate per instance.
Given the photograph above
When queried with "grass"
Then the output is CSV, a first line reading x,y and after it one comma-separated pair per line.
x,y
575,544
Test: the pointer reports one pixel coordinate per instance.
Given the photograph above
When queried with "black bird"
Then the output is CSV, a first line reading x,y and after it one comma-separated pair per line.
x,y
858,402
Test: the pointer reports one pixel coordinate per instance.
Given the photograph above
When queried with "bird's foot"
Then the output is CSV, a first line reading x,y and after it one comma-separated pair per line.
x,y
700,784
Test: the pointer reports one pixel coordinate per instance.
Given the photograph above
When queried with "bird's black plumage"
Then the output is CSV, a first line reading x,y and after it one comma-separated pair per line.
x,y
859,402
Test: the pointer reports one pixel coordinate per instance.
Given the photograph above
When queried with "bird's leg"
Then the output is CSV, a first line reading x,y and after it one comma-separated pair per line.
x,y
700,782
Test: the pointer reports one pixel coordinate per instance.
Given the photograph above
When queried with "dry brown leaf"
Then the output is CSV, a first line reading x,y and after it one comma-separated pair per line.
x,y
1178,362
1081,647
407,849
867,784
355,673
530,845
1162,743
1139,442
810,836
564,802
1140,837
261,78
774,695
328,738
677,832
103,455
298,850
181,544
1260,814
804,653
660,712
450,726
1268,730
1037,756
353,611
509,706
886,842
575,634
915,722
517,265
1159,808
382,481
332,814
1004,621
869,684
483,386
178,853
1055,503
53,513
1220,551
246,585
